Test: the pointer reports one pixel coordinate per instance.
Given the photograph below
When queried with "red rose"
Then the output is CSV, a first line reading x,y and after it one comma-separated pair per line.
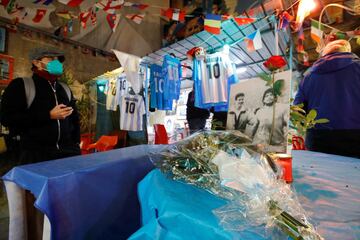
x,y
275,63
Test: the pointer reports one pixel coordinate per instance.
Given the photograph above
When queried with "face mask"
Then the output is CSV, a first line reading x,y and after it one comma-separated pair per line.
x,y
54,67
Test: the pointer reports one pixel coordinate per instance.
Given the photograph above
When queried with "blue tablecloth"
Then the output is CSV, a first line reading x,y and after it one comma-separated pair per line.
x,y
89,196
328,187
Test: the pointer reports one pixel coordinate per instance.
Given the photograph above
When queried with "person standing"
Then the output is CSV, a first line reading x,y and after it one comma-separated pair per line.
x,y
196,117
332,88
242,119
49,127
267,129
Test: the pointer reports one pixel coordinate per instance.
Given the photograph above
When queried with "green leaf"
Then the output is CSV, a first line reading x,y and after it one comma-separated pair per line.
x,y
264,76
311,115
322,120
278,86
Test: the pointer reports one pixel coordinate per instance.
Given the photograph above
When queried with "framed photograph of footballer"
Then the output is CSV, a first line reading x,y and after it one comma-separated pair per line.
x,y
255,110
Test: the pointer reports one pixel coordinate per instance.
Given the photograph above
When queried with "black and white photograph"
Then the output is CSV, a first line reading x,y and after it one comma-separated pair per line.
x,y
253,106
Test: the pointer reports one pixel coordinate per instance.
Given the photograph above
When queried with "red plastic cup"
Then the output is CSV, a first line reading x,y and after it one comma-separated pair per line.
x,y
285,161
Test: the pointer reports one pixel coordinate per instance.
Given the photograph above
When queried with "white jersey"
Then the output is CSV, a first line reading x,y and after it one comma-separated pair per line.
x,y
213,72
132,109
117,87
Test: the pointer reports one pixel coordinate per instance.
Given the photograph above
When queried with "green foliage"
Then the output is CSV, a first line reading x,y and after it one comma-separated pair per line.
x,y
278,87
266,77
302,121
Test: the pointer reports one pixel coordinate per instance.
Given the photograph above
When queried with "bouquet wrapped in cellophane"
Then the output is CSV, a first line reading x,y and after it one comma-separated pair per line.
x,y
226,164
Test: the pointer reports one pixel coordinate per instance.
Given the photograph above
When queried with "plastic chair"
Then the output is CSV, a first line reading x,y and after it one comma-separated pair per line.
x,y
161,136
298,143
85,140
104,143
122,137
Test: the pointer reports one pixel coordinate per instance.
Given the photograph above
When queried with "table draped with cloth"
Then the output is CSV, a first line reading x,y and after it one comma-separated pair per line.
x,y
327,186
84,197
95,197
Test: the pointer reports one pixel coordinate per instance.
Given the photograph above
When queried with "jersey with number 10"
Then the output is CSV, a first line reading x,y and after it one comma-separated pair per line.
x,y
171,72
117,87
211,75
132,109
157,87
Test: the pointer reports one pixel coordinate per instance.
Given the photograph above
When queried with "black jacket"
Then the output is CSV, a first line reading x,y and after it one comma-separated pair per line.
x,y
193,112
33,125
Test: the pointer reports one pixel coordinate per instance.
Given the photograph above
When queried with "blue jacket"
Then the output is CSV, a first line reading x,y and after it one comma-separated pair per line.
x,y
332,87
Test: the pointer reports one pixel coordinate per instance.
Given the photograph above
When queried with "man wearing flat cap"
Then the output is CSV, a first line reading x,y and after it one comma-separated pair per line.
x,y
48,127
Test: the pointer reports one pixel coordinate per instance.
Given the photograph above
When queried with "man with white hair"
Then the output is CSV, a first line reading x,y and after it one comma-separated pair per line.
x,y
332,88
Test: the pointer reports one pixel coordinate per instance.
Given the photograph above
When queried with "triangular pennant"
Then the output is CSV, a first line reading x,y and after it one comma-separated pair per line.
x,y
45,2
71,3
113,20
242,21
40,14
136,5
137,18
173,14
83,17
284,20
254,41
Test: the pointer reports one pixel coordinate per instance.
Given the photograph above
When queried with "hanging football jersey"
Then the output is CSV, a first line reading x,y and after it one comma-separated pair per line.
x,y
132,109
117,87
211,77
157,87
172,74
112,99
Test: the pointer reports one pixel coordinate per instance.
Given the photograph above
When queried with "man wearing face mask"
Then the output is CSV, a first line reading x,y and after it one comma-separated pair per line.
x,y
48,128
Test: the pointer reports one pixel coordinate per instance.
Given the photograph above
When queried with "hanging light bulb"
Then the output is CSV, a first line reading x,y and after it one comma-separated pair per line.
x,y
304,10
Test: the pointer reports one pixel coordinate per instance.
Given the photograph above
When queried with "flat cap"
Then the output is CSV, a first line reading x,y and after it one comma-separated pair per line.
x,y
38,53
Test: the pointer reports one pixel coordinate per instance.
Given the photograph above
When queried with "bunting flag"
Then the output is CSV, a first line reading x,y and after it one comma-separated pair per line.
x,y
316,32
113,20
71,3
66,14
355,33
18,13
212,23
4,3
137,18
83,17
174,14
301,38
93,17
40,14
242,21
284,20
136,5
253,41
110,6
45,2
225,17
9,6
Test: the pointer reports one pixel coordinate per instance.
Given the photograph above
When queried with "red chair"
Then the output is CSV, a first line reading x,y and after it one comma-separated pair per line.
x,y
298,143
161,136
104,143
85,140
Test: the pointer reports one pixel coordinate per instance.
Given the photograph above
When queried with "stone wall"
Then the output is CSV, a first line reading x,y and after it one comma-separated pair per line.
x,y
83,66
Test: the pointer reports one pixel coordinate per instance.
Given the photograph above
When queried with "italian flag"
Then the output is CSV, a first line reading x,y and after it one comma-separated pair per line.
x,y
316,32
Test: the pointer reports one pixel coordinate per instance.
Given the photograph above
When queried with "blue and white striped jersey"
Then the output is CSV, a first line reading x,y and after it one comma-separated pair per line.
x,y
211,78
132,109
172,73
